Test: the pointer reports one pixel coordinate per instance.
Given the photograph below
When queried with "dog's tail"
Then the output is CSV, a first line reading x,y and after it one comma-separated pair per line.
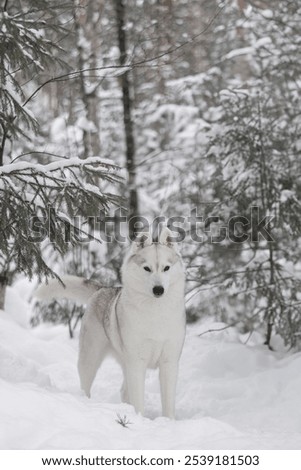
x,y
75,288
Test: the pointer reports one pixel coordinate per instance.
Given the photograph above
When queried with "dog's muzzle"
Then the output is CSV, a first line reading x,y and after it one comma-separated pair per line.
x,y
158,291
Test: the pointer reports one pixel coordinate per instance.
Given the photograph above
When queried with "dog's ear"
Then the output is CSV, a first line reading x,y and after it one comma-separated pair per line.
x,y
167,238
142,240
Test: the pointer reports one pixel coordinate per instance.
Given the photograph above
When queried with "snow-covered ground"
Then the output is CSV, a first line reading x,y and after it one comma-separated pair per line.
x,y
231,395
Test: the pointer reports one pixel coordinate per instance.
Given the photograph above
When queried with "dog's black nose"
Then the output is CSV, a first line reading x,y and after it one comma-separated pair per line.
x,y
158,291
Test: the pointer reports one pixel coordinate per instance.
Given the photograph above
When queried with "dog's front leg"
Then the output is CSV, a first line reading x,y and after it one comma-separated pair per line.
x,y
135,377
168,382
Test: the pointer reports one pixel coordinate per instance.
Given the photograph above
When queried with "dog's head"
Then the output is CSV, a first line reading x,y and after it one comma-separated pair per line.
x,y
153,267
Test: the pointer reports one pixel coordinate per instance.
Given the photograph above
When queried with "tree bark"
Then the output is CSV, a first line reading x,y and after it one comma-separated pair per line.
x,y
127,117
3,283
91,139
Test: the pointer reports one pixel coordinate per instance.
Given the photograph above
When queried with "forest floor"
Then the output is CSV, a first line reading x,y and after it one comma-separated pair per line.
x,y
231,394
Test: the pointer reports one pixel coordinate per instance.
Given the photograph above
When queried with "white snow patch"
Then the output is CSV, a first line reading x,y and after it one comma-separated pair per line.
x,y
239,52
86,125
267,14
17,309
262,42
286,195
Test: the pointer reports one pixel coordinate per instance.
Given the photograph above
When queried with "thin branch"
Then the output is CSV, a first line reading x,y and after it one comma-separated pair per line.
x,y
39,153
171,50
213,330
2,145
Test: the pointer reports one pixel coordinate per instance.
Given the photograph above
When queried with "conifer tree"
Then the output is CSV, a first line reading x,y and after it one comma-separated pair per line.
x,y
256,150
34,194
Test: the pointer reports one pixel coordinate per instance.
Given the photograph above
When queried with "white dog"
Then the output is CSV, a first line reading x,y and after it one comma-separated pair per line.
x,y
141,323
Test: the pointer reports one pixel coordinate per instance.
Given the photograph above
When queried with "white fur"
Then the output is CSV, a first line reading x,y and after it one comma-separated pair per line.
x,y
141,330
74,288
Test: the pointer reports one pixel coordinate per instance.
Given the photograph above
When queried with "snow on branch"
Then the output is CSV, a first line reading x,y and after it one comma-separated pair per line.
x,y
29,191
102,164
73,179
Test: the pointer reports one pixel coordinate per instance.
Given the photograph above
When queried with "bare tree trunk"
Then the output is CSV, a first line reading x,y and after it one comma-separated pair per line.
x,y
241,4
3,283
270,316
3,280
127,116
267,205
80,17
94,14
91,140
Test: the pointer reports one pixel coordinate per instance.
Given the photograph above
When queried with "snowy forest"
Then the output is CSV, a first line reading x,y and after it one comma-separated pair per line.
x,y
115,113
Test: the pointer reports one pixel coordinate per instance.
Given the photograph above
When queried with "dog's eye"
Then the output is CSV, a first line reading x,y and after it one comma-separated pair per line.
x,y
146,268
166,268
